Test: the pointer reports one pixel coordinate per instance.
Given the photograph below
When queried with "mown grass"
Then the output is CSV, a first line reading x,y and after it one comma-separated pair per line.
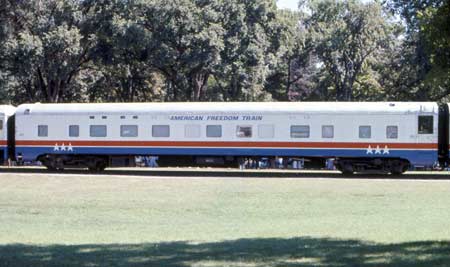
x,y
73,220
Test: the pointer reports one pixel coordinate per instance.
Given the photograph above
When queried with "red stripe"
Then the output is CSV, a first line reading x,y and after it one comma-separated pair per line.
x,y
3,142
229,144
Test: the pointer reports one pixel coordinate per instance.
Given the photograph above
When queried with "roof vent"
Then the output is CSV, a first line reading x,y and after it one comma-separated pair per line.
x,y
26,111
392,104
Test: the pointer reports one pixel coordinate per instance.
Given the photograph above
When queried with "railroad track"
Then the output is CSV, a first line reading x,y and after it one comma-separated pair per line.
x,y
223,172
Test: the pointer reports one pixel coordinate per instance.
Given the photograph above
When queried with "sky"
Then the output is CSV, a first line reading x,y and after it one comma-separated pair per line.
x,y
292,4
289,4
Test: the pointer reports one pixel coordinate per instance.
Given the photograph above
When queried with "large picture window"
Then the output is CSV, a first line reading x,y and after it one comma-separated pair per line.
x,y
300,131
97,130
128,130
214,131
160,131
244,131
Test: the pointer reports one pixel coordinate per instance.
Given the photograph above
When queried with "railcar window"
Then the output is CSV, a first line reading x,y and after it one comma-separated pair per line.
x,y
244,131
266,131
300,131
391,132
97,130
365,131
42,130
1,125
327,131
74,130
425,124
192,131
213,130
128,130
160,131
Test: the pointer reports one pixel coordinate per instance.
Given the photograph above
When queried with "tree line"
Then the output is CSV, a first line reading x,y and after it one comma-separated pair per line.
x,y
223,50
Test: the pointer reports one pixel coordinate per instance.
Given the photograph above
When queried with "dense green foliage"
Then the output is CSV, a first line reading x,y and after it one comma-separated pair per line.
x,y
216,50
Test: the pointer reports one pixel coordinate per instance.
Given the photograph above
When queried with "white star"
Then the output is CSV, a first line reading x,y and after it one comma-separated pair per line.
x,y
69,148
369,150
63,147
378,150
56,147
386,150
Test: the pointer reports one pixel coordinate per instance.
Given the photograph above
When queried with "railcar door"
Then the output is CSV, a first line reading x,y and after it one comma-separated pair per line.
x,y
3,140
443,135
427,120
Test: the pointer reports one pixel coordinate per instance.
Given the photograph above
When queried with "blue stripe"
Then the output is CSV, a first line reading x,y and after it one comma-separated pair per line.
x,y
415,157
5,152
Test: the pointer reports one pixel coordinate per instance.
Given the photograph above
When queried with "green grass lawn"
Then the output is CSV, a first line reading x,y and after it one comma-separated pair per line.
x,y
73,220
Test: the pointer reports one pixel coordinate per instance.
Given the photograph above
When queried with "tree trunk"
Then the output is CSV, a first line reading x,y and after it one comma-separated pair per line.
x,y
199,83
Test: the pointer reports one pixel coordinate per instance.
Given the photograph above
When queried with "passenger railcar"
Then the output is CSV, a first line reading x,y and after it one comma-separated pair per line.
x,y
360,136
6,132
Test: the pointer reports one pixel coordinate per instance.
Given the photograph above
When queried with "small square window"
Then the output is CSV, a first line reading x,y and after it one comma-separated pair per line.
x,y
365,131
391,132
160,131
42,130
425,125
122,117
97,130
266,131
74,130
192,131
244,131
104,117
91,117
135,117
128,130
327,131
214,131
300,131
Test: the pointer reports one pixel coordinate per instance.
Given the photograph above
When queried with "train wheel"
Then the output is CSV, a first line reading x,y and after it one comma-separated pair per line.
x,y
99,166
51,163
397,167
347,169
50,168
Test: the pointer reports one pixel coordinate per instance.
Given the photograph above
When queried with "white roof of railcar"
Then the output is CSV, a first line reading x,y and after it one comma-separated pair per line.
x,y
229,107
7,109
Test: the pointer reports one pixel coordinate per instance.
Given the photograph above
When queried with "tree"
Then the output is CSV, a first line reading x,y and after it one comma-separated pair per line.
x,y
184,41
250,48
48,48
120,57
426,71
295,75
346,34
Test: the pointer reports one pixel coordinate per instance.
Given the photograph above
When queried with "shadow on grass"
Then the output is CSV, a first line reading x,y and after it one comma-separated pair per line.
x,y
243,252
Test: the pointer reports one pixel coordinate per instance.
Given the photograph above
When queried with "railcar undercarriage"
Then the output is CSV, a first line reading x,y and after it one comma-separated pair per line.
x,y
94,163
395,166
347,166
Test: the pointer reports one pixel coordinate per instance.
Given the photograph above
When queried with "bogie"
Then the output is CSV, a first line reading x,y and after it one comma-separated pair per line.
x,y
383,165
